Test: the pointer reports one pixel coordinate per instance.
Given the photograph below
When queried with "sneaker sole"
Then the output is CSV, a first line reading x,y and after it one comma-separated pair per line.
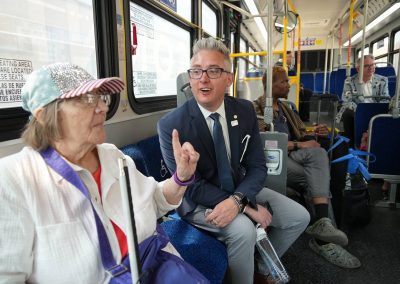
x,y
341,240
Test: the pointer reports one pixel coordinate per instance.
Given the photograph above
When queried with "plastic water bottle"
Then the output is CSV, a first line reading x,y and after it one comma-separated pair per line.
x,y
270,258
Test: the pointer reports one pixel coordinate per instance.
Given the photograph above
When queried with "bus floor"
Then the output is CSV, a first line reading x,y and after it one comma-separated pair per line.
x,y
377,245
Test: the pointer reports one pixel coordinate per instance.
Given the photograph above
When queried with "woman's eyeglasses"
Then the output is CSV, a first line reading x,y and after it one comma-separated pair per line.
x,y
92,100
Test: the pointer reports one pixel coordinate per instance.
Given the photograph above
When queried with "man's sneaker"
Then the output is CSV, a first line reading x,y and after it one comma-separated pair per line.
x,y
335,254
324,230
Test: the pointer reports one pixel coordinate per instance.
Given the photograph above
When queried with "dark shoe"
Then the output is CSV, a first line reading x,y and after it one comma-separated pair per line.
x,y
324,230
335,254
263,279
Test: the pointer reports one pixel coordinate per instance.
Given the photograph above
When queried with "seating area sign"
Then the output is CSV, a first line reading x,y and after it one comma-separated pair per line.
x,y
13,75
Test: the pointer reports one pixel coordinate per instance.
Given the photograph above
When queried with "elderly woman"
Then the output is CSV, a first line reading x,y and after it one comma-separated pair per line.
x,y
60,197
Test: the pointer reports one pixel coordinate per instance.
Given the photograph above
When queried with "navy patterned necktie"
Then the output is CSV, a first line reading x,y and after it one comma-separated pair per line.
x,y
223,163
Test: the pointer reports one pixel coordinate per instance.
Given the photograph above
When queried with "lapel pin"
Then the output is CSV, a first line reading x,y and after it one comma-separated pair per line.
x,y
234,122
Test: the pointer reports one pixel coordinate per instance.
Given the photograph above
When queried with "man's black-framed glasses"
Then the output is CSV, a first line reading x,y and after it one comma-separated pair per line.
x,y
212,73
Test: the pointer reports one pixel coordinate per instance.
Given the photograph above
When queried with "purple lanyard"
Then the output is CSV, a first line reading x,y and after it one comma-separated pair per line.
x,y
60,166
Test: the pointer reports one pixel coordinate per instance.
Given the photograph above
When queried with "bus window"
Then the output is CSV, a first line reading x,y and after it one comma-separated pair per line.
x,y
209,19
162,53
184,9
39,34
396,47
366,52
380,49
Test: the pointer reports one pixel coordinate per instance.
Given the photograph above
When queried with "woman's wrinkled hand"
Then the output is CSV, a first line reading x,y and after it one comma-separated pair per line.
x,y
185,157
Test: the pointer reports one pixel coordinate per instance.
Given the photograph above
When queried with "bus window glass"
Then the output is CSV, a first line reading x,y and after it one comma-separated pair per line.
x,y
380,47
381,60
366,52
184,9
242,62
37,33
396,40
208,19
155,66
396,61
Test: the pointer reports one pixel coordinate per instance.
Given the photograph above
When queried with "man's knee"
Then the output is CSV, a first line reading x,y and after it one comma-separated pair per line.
x,y
242,232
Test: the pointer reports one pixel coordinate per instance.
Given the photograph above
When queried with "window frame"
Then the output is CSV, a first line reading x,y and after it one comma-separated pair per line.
x,y
217,11
371,47
393,51
153,104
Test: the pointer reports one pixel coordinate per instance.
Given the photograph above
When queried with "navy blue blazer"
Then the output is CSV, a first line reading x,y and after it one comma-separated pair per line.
x,y
249,174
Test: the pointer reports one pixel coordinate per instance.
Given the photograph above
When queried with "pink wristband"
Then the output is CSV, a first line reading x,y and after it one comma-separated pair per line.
x,y
183,183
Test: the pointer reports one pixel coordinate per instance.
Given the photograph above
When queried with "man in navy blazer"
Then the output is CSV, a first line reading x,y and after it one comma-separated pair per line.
x,y
229,214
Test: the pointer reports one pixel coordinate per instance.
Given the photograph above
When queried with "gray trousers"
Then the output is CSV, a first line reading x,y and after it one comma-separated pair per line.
x,y
309,169
289,220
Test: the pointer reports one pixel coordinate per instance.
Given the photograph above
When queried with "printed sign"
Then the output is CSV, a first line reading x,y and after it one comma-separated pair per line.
x,y
144,22
13,75
170,4
144,83
310,41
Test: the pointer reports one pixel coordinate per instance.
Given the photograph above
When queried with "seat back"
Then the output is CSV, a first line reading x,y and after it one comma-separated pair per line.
x,y
319,82
340,78
384,141
307,79
364,113
183,89
275,149
332,82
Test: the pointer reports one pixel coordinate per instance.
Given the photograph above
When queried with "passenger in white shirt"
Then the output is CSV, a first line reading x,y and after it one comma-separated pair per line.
x,y
48,228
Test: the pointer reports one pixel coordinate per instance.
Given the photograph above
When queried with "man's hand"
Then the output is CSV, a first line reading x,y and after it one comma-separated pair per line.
x,y
308,144
185,157
261,216
223,214
321,130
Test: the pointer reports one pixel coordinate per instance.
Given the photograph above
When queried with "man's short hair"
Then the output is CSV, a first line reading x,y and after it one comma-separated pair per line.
x,y
210,43
365,57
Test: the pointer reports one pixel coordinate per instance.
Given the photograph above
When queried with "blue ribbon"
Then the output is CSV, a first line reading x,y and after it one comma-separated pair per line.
x,y
356,162
339,140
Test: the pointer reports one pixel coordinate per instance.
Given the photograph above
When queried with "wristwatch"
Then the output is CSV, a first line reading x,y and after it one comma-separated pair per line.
x,y
295,146
243,201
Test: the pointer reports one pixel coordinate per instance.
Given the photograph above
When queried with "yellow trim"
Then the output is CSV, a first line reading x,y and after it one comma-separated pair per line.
x,y
125,96
235,82
310,129
251,78
243,54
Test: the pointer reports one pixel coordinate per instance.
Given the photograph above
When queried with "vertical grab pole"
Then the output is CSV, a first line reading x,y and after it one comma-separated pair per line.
x,y
133,248
298,59
350,33
326,64
361,72
268,111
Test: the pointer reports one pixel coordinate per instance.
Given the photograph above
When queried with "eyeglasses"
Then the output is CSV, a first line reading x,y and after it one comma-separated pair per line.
x,y
92,100
369,65
212,73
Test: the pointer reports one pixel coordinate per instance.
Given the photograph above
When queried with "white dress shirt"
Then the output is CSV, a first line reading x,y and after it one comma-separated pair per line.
x,y
48,231
222,119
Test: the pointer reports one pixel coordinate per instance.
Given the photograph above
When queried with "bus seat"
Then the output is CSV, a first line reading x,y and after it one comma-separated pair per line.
x,y
205,253
307,79
319,82
392,86
362,116
387,71
183,89
384,141
275,149
340,77
332,82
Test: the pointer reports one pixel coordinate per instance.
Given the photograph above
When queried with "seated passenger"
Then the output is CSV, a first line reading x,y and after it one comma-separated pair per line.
x,y
308,168
57,193
374,89
230,174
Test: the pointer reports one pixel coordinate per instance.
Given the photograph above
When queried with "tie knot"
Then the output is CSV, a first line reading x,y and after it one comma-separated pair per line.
x,y
214,116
